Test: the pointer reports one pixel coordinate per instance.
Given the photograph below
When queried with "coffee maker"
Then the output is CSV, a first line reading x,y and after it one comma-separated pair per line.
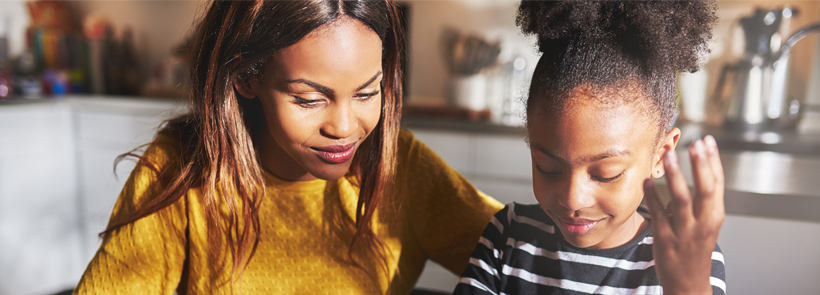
x,y
758,99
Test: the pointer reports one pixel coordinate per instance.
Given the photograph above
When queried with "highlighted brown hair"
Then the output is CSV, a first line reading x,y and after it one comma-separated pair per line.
x,y
217,152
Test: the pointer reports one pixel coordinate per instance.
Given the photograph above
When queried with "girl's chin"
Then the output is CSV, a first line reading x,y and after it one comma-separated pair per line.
x,y
588,240
582,243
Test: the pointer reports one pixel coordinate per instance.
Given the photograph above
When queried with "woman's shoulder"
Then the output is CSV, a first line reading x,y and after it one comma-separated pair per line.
x,y
170,145
409,148
413,158
406,139
163,151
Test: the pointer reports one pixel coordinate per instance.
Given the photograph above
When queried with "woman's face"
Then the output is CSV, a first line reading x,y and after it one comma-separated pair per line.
x,y
589,163
321,98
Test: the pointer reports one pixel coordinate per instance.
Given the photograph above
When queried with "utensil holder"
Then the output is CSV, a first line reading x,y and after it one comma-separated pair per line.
x,y
469,92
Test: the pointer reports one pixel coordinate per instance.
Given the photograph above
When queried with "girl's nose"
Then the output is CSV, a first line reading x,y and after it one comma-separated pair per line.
x,y
575,196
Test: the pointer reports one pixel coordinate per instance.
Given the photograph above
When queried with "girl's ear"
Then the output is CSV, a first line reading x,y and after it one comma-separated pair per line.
x,y
667,143
243,87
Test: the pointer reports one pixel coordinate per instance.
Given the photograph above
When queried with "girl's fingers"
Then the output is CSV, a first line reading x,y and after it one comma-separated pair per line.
x,y
714,161
703,176
681,205
715,200
659,221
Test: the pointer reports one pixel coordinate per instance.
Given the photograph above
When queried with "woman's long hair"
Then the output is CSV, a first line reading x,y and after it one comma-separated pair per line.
x,y
217,153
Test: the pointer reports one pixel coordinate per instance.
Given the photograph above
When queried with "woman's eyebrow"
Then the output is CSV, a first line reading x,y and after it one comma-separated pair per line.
x,y
317,86
327,90
369,81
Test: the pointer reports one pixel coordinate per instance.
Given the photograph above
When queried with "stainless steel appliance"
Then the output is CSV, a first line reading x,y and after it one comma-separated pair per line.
x,y
758,99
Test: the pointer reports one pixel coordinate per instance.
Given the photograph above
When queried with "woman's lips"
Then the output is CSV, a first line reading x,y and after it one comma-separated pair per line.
x,y
577,226
335,154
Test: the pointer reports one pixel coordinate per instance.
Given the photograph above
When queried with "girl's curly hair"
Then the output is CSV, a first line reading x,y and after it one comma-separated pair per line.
x,y
615,43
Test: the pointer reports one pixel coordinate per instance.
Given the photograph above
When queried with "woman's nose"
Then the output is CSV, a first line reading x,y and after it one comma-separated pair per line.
x,y
340,122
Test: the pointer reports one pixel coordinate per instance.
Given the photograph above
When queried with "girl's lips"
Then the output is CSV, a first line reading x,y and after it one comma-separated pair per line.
x,y
335,154
578,226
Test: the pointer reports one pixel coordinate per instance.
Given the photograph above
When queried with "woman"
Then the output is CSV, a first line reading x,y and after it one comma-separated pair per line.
x,y
290,174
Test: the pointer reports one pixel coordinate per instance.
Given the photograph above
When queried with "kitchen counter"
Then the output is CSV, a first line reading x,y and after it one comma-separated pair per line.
x,y
768,184
484,127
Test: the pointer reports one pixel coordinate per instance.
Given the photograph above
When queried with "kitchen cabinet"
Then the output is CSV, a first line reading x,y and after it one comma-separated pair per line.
x,y
39,222
58,186
770,256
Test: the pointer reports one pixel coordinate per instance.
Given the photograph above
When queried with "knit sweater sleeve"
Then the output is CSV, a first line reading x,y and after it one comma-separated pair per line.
x,y
448,212
145,256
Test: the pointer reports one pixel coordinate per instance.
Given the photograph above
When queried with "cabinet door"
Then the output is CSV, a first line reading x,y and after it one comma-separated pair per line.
x,y
505,191
41,260
456,148
770,256
503,157
39,224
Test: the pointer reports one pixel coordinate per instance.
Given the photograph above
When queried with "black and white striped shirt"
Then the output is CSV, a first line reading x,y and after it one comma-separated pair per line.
x,y
521,252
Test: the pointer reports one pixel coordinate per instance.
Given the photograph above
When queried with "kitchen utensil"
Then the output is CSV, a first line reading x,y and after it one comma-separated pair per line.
x,y
758,82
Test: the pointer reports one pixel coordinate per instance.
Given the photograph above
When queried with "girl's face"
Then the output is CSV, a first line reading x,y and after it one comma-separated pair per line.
x,y
589,163
321,98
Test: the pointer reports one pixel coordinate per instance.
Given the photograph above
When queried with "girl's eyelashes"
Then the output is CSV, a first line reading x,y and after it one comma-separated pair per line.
x,y
608,179
548,173
596,178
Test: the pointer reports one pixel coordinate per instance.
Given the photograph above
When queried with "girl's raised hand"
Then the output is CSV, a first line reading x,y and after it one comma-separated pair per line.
x,y
686,231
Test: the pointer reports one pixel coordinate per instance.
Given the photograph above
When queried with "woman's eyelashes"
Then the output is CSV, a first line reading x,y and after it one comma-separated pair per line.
x,y
309,103
367,96
306,103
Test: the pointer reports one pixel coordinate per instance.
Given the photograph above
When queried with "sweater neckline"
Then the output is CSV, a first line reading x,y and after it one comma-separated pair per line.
x,y
285,185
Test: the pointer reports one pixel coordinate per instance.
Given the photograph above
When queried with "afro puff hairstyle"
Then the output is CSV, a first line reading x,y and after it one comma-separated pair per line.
x,y
615,44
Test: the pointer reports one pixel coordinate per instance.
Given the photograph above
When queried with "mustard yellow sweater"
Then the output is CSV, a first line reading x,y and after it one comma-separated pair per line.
x,y
306,230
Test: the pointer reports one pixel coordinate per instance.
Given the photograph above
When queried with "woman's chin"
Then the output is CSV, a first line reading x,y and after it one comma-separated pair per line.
x,y
331,171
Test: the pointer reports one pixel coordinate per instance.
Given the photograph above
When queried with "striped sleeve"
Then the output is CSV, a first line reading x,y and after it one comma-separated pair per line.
x,y
482,274
718,277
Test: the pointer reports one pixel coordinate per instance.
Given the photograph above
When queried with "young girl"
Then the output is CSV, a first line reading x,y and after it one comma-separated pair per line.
x,y
290,175
600,108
